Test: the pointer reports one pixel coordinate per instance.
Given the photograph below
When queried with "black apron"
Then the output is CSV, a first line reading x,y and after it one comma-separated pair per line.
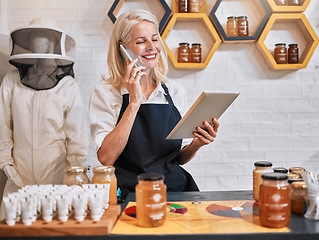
x,y
147,149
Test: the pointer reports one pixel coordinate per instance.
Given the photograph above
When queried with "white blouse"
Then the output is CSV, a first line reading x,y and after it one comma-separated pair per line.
x,y
106,101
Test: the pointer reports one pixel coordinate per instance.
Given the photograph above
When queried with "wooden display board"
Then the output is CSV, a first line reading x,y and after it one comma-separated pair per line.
x,y
69,228
209,217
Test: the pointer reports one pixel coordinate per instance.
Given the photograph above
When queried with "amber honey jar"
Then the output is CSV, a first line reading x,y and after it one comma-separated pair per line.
x,y
281,2
261,167
183,53
298,193
293,53
280,53
232,26
243,28
103,175
183,6
150,200
196,53
75,176
274,204
294,2
193,6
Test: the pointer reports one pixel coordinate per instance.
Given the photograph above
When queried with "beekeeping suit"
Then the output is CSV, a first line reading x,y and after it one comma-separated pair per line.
x,y
42,128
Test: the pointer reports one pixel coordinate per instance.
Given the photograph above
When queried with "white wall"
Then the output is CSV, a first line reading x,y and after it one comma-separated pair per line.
x,y
276,117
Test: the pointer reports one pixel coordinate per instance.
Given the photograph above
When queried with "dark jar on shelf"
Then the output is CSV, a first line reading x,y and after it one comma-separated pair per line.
x,y
243,28
183,53
196,53
274,204
294,2
280,53
183,6
293,53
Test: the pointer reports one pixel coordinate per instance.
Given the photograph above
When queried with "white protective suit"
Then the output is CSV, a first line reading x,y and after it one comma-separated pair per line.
x,y
41,132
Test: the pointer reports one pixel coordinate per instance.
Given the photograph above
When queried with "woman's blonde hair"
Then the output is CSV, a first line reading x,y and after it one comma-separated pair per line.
x,y
121,33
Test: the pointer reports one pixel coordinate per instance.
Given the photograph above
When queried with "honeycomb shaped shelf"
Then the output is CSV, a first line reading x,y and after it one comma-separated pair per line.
x,y
159,6
257,11
278,8
300,29
191,27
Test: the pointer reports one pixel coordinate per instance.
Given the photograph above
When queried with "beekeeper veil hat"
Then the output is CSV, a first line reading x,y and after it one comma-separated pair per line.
x,y
24,53
43,53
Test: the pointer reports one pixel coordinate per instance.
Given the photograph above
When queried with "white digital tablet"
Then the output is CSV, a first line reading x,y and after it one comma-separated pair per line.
x,y
208,105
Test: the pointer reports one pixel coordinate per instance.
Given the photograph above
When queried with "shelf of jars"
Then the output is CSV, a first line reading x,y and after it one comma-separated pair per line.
x,y
287,42
288,5
191,40
189,6
240,20
159,8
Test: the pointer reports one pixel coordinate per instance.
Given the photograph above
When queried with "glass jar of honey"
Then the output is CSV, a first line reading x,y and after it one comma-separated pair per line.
x,y
281,2
193,6
183,53
150,200
196,53
274,204
232,26
103,175
298,193
261,167
183,6
293,53
294,2
75,176
280,53
243,28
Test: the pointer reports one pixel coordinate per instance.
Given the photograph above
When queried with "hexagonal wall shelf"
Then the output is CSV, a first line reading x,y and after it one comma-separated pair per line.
x,y
300,30
162,5
257,11
191,27
279,8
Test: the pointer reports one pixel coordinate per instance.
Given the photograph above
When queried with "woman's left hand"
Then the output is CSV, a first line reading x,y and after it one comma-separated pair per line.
x,y
204,137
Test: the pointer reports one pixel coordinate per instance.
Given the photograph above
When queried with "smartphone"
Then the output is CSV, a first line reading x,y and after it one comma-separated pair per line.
x,y
127,54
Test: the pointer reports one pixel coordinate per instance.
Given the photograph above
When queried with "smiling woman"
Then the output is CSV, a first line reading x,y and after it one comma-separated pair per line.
x,y
133,111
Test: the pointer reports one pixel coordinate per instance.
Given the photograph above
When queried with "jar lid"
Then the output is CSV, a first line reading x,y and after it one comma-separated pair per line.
x,y
242,17
150,176
292,180
195,44
294,176
104,169
263,164
230,17
77,169
280,170
274,176
299,185
296,169
277,44
184,43
293,45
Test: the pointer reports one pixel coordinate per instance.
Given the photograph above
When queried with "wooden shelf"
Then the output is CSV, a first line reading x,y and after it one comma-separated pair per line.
x,y
118,4
302,25
186,19
259,6
277,8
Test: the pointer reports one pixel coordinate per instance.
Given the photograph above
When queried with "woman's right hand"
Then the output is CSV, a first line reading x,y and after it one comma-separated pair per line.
x,y
132,81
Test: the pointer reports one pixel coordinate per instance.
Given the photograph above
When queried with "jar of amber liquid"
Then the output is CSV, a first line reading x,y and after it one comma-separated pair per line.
x,y
150,200
183,6
183,53
281,2
103,175
232,27
298,193
196,53
274,204
294,2
243,28
293,53
280,53
261,167
75,176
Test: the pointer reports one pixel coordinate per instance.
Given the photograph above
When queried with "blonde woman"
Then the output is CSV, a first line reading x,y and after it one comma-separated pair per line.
x,y
133,111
